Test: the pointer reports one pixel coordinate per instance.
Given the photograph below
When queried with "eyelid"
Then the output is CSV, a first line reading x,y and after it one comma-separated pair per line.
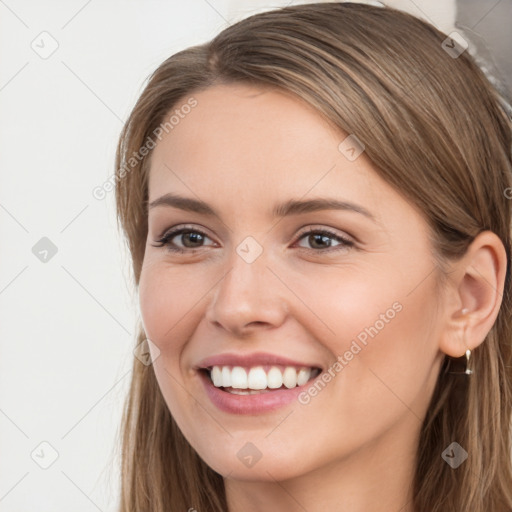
x,y
179,229
331,231
302,231
345,241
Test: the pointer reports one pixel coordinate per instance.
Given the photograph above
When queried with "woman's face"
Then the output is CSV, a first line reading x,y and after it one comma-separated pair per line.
x,y
257,289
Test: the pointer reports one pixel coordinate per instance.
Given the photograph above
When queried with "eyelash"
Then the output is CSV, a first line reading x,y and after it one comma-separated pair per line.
x,y
165,240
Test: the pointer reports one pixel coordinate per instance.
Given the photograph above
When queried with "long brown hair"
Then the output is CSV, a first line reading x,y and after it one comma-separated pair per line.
x,y
434,128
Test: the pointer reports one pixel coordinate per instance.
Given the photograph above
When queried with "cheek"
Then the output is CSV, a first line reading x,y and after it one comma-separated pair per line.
x,y
399,336
153,302
344,306
384,339
383,312
389,356
167,301
169,308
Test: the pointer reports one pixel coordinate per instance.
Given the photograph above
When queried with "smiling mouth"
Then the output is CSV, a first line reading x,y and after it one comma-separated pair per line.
x,y
256,380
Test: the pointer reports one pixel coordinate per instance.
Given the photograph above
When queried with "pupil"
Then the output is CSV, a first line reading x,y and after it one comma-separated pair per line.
x,y
198,237
321,237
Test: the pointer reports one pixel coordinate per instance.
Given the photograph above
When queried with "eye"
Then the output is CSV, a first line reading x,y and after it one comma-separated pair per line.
x,y
190,238
320,240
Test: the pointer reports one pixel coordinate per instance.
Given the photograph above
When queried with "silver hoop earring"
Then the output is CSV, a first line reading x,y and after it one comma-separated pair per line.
x,y
468,370
468,356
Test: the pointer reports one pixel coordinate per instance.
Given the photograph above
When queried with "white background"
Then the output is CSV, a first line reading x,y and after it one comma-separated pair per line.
x,y
67,325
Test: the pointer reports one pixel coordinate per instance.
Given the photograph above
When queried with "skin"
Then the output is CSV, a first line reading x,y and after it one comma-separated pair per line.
x,y
242,150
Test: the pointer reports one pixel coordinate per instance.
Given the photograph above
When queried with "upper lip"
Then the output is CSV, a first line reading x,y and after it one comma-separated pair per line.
x,y
254,359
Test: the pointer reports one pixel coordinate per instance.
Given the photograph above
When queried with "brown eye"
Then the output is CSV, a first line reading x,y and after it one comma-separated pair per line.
x,y
321,240
190,239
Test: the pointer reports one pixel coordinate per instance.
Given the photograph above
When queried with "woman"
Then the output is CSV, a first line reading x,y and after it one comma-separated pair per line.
x,y
316,206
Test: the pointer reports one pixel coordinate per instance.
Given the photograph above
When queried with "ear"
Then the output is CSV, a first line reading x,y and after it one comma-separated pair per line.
x,y
476,294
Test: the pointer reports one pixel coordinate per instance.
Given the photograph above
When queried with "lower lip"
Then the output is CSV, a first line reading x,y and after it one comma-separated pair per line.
x,y
250,404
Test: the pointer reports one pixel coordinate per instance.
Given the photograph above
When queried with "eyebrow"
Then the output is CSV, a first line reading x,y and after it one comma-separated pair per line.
x,y
290,207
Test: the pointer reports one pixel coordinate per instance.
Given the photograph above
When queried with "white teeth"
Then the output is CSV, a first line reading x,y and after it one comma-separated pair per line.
x,y
217,376
303,376
247,391
290,377
257,379
238,378
226,377
274,378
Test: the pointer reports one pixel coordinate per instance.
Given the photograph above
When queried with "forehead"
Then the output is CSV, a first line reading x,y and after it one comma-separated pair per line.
x,y
243,148
236,120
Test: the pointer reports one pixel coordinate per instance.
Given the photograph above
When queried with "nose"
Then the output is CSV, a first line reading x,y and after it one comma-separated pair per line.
x,y
248,297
